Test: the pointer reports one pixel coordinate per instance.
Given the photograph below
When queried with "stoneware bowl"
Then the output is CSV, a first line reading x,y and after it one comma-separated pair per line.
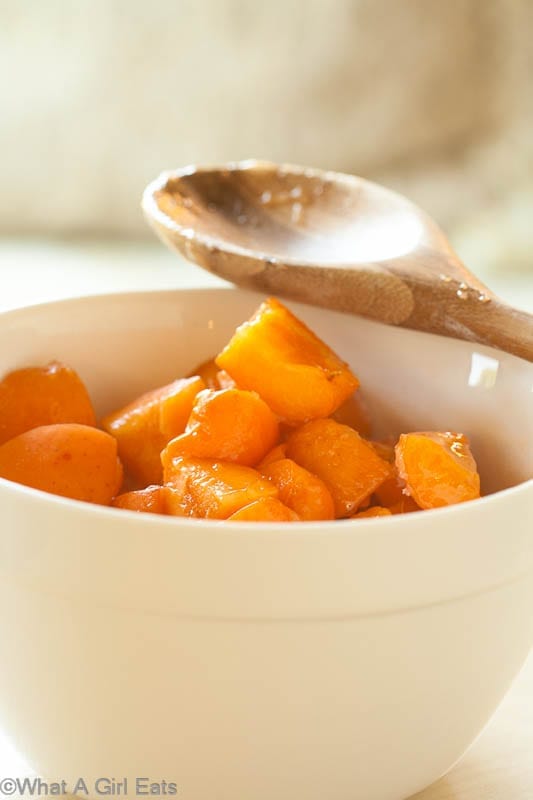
x,y
351,660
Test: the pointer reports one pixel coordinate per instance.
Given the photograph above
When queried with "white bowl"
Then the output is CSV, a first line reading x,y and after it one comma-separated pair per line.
x,y
347,660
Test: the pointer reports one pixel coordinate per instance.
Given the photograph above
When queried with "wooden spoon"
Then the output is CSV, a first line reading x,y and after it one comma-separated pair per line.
x,y
331,240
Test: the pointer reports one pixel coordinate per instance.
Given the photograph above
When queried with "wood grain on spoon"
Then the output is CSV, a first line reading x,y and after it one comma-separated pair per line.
x,y
332,240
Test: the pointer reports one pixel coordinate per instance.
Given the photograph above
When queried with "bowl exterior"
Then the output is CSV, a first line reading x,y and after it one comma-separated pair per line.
x,y
265,663
366,708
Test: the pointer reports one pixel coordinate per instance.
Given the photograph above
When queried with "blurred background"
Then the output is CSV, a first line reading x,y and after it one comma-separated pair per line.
x,y
98,96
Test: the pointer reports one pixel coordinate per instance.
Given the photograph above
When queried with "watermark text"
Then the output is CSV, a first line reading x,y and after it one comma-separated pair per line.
x,y
103,787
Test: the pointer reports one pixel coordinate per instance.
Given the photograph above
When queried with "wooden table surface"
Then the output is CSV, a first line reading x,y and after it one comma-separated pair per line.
x,y
499,766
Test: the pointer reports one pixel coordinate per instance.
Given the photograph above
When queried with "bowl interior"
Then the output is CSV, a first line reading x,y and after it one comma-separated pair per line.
x,y
125,344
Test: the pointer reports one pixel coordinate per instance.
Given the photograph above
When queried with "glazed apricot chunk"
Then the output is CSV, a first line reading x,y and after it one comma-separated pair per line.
x,y
391,491
405,506
300,490
373,511
438,468
384,450
296,374
348,465
214,489
213,376
353,412
36,396
276,454
392,495
228,425
145,426
151,499
71,460
207,371
266,509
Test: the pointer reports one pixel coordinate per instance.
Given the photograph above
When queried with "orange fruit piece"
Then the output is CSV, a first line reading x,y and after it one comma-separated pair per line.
x,y
67,459
228,425
225,381
300,490
145,426
208,372
207,488
213,377
348,465
373,511
36,396
153,499
266,509
276,454
391,494
438,468
385,450
353,412
391,491
296,374
405,506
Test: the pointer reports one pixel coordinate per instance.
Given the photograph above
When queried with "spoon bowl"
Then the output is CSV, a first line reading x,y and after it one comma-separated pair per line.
x,y
332,240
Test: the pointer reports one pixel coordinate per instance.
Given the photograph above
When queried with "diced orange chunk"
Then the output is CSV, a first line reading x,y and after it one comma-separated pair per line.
x,y
208,372
213,377
347,464
391,494
366,502
391,491
277,356
214,489
405,506
225,381
438,468
300,490
384,450
174,505
373,511
176,405
145,426
67,459
36,396
276,454
267,509
353,412
228,425
151,499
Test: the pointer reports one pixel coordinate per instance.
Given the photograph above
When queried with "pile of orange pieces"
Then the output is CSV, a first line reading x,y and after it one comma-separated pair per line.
x,y
272,429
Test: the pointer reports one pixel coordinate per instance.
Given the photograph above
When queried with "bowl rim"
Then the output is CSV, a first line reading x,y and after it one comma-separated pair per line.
x,y
313,527
253,572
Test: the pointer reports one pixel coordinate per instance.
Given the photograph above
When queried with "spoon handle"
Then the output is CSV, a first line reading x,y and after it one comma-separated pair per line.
x,y
471,315
461,308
